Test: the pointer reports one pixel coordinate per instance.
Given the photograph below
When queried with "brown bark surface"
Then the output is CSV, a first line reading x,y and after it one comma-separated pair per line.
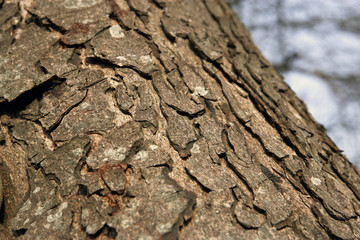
x,y
157,120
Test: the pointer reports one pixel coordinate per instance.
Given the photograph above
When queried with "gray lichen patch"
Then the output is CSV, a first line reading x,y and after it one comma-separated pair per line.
x,y
18,71
115,147
54,222
80,20
124,48
150,156
37,204
195,82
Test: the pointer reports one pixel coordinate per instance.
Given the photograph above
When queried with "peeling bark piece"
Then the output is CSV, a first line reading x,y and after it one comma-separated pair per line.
x,y
206,46
115,179
180,129
268,198
18,72
86,78
174,27
247,217
57,102
212,131
239,62
91,219
177,101
96,113
237,103
243,191
214,8
355,227
167,59
33,138
70,154
337,228
55,62
156,210
139,6
7,11
148,118
253,178
177,82
269,87
348,173
5,42
80,19
120,9
335,194
309,228
145,111
80,33
123,100
209,175
294,164
124,48
95,224
272,142
92,182
161,3
195,83
115,147
175,21
238,142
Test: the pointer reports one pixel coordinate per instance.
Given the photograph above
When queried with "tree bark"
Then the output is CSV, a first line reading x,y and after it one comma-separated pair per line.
x,y
158,120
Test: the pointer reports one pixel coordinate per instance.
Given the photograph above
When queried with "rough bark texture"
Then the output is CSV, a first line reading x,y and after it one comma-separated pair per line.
x,y
157,120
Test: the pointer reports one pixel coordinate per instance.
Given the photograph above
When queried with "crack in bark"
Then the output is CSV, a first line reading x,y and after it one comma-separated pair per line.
x,y
22,101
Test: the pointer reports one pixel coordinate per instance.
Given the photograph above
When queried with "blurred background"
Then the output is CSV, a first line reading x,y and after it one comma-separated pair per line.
x,y
315,45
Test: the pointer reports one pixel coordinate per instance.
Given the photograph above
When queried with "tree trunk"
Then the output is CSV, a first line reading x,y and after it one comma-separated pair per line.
x,y
158,120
